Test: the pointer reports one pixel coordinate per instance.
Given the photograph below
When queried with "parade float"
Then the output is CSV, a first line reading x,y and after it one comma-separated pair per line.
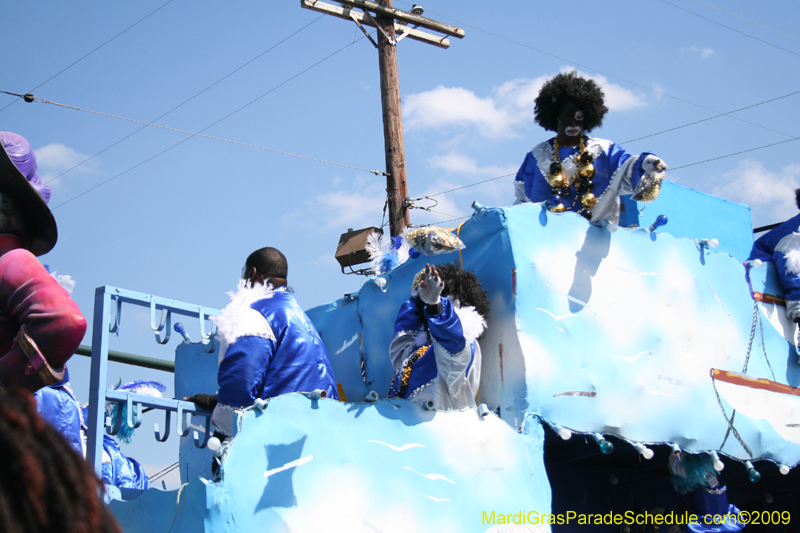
x,y
606,353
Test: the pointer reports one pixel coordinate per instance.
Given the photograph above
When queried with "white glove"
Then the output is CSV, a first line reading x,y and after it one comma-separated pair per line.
x,y
653,164
431,286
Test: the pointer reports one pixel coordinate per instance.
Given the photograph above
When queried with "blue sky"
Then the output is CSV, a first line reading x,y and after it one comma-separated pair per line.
x,y
275,76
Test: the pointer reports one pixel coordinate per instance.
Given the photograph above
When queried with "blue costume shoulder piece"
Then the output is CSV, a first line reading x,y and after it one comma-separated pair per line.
x,y
277,353
609,158
781,246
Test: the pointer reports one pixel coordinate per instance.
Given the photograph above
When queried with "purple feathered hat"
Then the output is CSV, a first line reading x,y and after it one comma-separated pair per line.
x,y
20,181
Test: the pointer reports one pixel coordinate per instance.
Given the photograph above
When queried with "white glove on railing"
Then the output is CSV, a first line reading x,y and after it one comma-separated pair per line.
x,y
431,286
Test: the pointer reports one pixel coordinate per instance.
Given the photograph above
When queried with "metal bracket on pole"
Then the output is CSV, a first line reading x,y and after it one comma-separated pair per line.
x,y
355,19
375,23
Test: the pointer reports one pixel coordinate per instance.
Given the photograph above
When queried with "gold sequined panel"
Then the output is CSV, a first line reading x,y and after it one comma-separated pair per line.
x,y
432,240
648,188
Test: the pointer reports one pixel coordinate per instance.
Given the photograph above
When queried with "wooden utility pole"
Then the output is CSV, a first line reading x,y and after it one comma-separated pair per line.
x,y
396,187
390,23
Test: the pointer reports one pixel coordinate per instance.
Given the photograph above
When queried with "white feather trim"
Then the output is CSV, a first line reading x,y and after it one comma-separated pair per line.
x,y
402,253
789,246
793,262
379,248
472,323
230,319
65,281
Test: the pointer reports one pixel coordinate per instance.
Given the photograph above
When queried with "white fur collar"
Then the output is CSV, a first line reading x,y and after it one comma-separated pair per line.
x,y
241,300
790,247
472,323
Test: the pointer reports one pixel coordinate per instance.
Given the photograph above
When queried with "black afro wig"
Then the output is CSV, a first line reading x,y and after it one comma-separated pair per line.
x,y
568,87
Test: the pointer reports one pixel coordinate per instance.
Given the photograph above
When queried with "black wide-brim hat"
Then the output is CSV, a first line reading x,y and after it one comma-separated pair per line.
x,y
41,232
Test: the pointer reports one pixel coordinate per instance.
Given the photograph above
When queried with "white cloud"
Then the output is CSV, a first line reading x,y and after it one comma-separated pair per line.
x,y
497,115
770,195
454,162
702,52
54,159
448,106
353,210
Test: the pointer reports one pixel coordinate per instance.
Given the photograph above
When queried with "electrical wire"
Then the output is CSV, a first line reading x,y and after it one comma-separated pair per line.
x,y
200,134
188,99
715,116
748,20
560,58
93,51
730,28
736,153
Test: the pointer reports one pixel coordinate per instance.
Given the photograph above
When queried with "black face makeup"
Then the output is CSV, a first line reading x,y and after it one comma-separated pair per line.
x,y
570,121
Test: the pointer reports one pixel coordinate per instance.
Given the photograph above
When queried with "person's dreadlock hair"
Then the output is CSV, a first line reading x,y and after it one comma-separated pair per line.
x,y
568,87
45,486
269,263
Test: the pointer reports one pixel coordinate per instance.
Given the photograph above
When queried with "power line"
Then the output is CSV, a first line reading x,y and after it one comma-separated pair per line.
x,y
188,99
90,53
672,168
732,29
715,116
199,134
657,91
748,20
465,186
737,153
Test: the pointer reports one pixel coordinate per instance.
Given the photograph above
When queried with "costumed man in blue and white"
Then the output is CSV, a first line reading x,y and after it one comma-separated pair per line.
x,y
434,352
574,172
781,246
268,346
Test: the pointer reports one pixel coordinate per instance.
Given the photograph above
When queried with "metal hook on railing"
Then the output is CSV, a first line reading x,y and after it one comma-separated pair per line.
x,y
133,409
114,326
165,322
197,441
111,428
165,436
183,424
209,340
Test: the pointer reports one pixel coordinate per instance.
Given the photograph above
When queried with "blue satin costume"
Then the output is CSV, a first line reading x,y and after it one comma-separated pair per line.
x,y
714,513
609,160
283,355
448,373
773,246
122,471
56,404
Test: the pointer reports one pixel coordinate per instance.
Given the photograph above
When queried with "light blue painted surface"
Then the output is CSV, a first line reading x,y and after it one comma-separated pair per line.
x,y
389,466
603,332
658,313
696,215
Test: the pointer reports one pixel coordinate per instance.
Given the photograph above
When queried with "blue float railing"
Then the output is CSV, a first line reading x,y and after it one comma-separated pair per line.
x,y
112,298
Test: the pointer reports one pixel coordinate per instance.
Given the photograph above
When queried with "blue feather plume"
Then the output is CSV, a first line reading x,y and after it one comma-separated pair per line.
x,y
119,411
694,471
